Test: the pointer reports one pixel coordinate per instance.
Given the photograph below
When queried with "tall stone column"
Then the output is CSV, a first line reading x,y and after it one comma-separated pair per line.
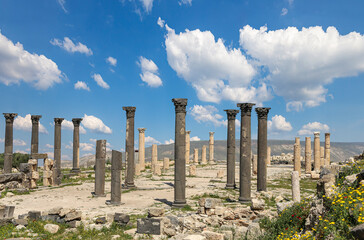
x,y
142,148
230,154
245,152
129,147
188,147
76,144
317,154
154,154
57,174
100,168
308,154
8,149
268,156
211,148
327,149
195,156
203,155
35,134
116,177
295,180
322,156
262,148
179,153
297,156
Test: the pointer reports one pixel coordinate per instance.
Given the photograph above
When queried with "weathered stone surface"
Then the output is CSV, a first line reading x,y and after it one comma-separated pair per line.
x,y
149,226
212,202
9,177
254,231
100,220
358,232
219,210
23,222
155,212
194,237
74,224
295,179
228,215
55,211
213,235
257,204
51,228
73,215
220,174
121,218
5,221
34,215
192,170
283,205
350,179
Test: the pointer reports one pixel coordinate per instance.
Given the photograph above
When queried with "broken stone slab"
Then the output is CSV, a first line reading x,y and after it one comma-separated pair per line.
x,y
121,218
149,226
73,215
209,202
23,222
74,224
213,235
350,179
55,211
257,204
9,177
51,228
358,231
100,220
34,215
155,212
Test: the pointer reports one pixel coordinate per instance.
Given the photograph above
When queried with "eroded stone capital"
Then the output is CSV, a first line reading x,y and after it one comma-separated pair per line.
x,y
327,134
58,121
316,134
130,111
262,112
9,117
180,104
141,130
35,118
76,121
245,108
231,113
188,132
211,134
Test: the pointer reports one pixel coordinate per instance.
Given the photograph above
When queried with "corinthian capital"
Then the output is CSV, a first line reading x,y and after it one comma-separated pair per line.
x,y
262,112
180,104
130,111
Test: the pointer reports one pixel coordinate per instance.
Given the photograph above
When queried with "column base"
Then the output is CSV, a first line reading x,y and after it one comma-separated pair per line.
x,y
179,204
76,170
129,186
109,202
245,200
97,195
230,186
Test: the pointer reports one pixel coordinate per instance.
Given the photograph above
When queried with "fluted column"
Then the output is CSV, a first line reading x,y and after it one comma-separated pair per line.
x,y
35,134
142,148
211,148
230,155
262,148
317,154
57,174
308,155
180,152
188,147
245,152
129,147
76,144
8,149
327,149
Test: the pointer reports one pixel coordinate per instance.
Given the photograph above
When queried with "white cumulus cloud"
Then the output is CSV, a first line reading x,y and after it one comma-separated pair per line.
x,y
49,145
149,72
215,71
18,65
98,79
160,22
284,11
25,123
68,125
195,138
95,124
302,62
19,142
112,61
207,113
279,124
150,140
81,85
310,128
147,5
68,45
170,141
87,147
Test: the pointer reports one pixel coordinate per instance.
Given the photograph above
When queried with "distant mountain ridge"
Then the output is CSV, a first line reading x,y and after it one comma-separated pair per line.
x,y
339,150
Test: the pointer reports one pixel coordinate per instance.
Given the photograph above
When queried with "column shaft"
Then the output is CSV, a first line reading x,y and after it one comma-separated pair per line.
x,y
76,144
8,149
116,166
179,152
203,155
317,154
129,147
142,148
245,152
308,155
211,148
57,174
327,149
188,147
230,154
262,148
100,168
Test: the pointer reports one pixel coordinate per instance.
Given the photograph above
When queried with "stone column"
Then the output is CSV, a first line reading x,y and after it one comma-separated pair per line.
x,y
35,134
295,178
165,163
116,177
230,155
195,156
142,148
297,156
203,155
100,168
322,156
188,147
57,174
8,149
180,153
255,164
262,148
316,148
154,155
308,155
245,152
129,147
268,156
76,144
211,148
327,149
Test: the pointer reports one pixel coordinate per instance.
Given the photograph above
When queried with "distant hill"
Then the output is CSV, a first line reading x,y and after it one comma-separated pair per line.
x,y
339,150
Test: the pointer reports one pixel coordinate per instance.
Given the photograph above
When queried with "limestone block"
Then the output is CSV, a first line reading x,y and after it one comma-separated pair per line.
x,y
121,218
213,235
149,226
192,170
165,163
73,215
155,212
51,228
157,169
33,161
220,173
257,204
47,174
35,175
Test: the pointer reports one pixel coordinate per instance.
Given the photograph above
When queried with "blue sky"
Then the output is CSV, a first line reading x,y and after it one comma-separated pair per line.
x,y
63,58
